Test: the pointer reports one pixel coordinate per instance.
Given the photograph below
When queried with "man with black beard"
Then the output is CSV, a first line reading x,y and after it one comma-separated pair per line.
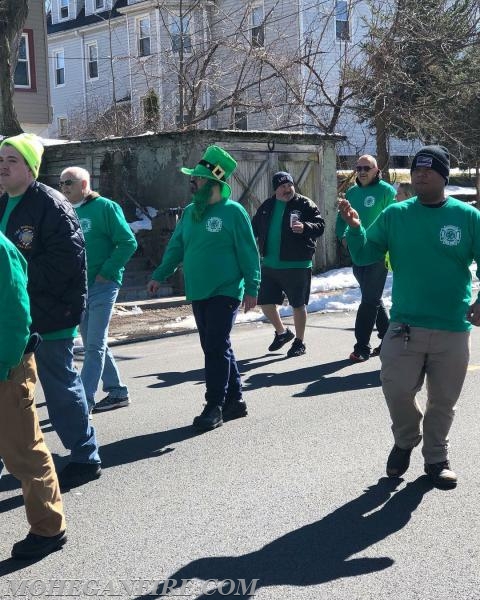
x,y
215,244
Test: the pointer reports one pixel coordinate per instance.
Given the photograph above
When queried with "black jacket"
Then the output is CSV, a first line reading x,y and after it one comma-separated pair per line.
x,y
45,228
293,246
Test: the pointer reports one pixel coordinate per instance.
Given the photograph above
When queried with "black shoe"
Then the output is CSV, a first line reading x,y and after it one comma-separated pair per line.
x,y
75,474
297,348
376,351
280,340
359,357
234,410
398,461
211,418
441,475
37,546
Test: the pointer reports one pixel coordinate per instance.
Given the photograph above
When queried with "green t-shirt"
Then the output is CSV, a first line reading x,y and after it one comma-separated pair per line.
x,y
219,254
368,201
15,313
274,239
109,241
431,250
11,204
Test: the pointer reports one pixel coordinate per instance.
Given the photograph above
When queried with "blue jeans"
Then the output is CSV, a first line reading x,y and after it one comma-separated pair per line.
x,y
215,318
65,398
99,362
371,311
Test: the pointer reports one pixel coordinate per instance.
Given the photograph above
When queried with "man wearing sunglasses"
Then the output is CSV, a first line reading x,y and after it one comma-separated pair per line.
x,y
110,244
369,196
44,228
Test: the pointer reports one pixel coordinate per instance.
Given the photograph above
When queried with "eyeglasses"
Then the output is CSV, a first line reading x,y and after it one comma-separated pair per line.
x,y
360,168
67,182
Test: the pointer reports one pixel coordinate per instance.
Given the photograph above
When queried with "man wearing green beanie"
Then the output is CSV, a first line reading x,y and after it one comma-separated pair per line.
x,y
214,241
45,229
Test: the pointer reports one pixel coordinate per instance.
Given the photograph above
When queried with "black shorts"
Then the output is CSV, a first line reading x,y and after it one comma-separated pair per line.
x,y
278,283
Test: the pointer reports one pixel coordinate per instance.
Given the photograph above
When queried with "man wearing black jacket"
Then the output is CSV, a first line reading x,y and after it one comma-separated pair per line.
x,y
43,226
286,226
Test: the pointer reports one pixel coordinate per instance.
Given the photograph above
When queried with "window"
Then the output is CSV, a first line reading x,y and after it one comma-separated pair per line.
x,y
64,9
180,33
99,4
342,23
59,62
258,27
241,120
23,70
143,34
92,59
62,126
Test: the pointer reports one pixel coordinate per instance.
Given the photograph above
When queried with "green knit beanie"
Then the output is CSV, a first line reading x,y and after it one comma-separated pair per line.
x,y
30,147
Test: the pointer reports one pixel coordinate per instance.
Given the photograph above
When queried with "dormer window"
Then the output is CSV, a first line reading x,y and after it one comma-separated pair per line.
x,y
64,14
99,4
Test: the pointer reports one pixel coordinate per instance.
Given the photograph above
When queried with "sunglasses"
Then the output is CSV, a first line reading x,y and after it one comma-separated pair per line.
x,y
360,168
67,182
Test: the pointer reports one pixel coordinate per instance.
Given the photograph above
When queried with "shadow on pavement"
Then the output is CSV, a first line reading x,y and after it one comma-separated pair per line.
x,y
321,551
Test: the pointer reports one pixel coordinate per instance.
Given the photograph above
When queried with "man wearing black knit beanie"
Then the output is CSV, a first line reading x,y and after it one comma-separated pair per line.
x,y
432,241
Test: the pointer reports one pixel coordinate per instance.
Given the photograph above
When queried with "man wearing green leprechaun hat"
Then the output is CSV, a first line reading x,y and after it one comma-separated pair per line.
x,y
214,241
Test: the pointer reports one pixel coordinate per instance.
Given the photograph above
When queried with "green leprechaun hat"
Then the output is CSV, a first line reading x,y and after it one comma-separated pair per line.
x,y
216,164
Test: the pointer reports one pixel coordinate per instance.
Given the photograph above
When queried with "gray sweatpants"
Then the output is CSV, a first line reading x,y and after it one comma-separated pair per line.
x,y
442,358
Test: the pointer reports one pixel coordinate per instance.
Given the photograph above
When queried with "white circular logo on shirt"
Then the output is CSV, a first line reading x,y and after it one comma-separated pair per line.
x,y
369,201
214,224
450,235
86,225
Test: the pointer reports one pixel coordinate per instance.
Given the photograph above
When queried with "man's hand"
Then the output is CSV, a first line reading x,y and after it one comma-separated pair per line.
x,y
348,214
249,302
153,287
297,227
473,314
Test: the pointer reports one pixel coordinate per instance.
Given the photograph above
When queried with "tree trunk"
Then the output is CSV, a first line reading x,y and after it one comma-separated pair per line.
x,y
13,14
381,134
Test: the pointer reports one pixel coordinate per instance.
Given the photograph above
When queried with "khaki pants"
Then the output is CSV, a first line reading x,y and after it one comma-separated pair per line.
x,y
24,452
442,358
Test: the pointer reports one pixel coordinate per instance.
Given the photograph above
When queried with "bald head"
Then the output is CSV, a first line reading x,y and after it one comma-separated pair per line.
x,y
367,169
75,184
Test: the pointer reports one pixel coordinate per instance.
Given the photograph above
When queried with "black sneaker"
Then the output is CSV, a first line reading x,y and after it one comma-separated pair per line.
x,y
234,410
37,546
376,351
280,340
398,461
75,474
441,475
211,418
109,403
297,348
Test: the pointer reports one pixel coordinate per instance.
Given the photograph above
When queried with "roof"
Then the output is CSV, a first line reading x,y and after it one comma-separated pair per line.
x,y
83,20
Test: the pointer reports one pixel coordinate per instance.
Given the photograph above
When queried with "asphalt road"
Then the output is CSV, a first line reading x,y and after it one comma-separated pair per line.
x,y
291,501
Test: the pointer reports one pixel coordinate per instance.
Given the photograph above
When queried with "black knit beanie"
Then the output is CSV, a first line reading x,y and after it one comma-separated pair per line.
x,y
433,157
281,177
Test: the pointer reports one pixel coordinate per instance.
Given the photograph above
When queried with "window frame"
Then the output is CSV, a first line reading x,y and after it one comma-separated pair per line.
x,y
342,32
56,70
89,62
238,117
61,7
140,39
27,34
175,20
257,32
98,8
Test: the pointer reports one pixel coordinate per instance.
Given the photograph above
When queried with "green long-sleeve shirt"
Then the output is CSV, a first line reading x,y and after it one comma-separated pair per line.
x,y
219,254
368,201
431,250
109,241
14,307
